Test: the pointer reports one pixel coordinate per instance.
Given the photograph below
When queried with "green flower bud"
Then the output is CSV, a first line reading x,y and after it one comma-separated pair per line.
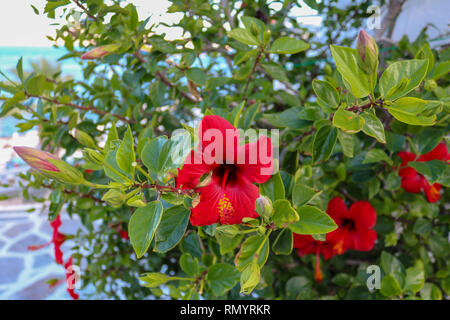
x,y
84,139
115,198
430,84
264,207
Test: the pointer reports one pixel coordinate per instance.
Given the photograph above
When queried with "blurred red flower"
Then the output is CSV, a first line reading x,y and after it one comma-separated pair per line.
x,y
71,279
414,182
58,239
355,225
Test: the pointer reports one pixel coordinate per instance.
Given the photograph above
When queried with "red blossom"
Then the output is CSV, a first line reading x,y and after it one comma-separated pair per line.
x,y
58,239
230,195
71,279
355,225
306,244
414,182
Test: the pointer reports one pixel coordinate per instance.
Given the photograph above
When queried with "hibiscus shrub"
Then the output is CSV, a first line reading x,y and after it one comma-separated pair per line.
x,y
245,159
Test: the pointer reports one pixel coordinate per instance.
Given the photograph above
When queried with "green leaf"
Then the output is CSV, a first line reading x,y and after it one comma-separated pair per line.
x,y
430,292
373,126
413,71
376,155
415,278
275,71
287,45
409,109
249,249
324,141
36,85
154,279
273,188
196,75
346,60
125,156
284,214
244,36
432,170
110,159
312,221
347,142
142,226
222,277
441,69
283,242
428,139
250,278
347,121
302,194
189,264
19,69
390,286
255,26
171,228
392,266
327,95
156,154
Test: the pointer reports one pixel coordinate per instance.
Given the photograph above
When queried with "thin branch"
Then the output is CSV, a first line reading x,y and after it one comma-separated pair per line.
x,y
82,7
80,107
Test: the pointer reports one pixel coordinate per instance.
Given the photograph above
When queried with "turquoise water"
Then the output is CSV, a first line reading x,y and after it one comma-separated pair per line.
x,y
9,56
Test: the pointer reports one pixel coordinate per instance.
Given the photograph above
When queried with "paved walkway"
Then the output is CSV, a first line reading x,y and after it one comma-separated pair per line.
x,y
23,273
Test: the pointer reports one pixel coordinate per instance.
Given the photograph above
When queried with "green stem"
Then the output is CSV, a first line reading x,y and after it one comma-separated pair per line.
x,y
145,173
95,185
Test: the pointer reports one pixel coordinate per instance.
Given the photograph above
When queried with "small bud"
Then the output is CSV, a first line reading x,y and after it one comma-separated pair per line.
x,y
50,165
100,52
93,156
115,198
84,139
368,52
430,84
264,207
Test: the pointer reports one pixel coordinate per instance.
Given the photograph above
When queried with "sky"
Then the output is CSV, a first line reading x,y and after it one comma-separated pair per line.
x,y
20,26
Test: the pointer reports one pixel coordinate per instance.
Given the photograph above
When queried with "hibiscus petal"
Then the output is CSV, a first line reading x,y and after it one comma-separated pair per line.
x,y
238,202
411,181
432,191
364,239
305,244
406,157
363,214
193,168
206,212
255,160
219,140
337,209
440,152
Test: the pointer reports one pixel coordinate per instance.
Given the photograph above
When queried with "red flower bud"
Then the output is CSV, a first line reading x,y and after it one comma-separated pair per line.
x,y
366,41
100,52
37,159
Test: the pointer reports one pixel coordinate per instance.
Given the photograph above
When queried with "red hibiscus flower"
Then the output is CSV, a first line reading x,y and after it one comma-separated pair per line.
x,y
306,244
355,225
57,240
229,195
414,182
71,279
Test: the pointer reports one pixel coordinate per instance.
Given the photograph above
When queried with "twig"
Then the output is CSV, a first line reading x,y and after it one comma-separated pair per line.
x,y
84,9
80,107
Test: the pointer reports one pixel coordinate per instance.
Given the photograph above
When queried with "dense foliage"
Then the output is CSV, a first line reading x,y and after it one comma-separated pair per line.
x,y
362,153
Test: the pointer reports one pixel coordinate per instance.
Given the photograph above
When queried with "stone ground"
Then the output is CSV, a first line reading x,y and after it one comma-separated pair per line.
x,y
23,273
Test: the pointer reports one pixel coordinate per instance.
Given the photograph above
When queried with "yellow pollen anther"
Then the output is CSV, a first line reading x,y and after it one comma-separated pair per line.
x,y
225,208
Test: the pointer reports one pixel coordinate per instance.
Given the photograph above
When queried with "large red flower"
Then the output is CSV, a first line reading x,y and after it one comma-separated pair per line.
x,y
230,195
58,239
355,225
306,244
414,182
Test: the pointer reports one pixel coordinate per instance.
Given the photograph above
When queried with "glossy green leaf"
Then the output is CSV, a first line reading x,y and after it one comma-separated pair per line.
x,y
288,45
324,141
222,277
312,221
171,228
